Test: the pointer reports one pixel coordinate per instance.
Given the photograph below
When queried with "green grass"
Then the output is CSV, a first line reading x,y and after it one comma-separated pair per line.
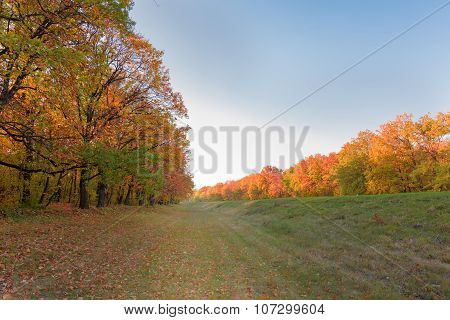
x,y
383,246
368,247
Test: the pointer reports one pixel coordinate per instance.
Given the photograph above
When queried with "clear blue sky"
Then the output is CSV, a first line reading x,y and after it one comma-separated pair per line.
x,y
241,62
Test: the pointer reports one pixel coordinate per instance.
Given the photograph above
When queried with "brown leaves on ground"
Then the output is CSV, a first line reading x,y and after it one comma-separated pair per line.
x,y
71,254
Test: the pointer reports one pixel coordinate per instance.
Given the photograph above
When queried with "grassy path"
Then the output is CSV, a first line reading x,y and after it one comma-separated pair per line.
x,y
201,255
238,250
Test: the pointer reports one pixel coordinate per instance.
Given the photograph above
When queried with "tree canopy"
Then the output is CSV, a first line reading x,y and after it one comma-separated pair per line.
x,y
87,107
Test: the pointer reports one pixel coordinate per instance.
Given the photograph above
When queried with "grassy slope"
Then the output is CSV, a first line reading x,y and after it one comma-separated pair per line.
x,y
384,246
390,246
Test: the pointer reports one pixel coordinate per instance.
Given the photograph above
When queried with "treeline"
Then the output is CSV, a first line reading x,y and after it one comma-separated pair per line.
x,y
401,156
88,114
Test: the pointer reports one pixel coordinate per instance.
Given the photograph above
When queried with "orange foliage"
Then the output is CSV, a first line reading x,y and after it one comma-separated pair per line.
x,y
401,156
312,176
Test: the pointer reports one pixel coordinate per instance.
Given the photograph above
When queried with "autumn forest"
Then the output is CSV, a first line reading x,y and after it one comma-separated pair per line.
x,y
87,109
403,155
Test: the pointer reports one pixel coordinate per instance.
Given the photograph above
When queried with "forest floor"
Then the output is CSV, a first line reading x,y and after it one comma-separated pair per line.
x,y
365,247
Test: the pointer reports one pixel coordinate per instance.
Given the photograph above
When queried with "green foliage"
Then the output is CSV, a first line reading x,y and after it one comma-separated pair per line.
x,y
118,9
113,164
441,181
351,176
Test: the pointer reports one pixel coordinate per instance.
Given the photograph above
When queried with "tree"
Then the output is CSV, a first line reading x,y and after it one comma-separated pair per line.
x,y
433,152
353,164
120,81
36,35
271,182
313,176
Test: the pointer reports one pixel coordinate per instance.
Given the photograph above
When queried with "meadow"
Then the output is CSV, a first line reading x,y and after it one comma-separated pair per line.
x,y
350,247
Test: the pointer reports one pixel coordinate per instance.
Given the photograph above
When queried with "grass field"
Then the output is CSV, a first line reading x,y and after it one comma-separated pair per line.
x,y
374,247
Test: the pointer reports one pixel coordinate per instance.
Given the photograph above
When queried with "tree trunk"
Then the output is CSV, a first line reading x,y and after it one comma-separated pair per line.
x,y
57,194
151,200
128,197
44,192
70,189
101,195
73,186
120,196
25,198
84,195
110,195
140,197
